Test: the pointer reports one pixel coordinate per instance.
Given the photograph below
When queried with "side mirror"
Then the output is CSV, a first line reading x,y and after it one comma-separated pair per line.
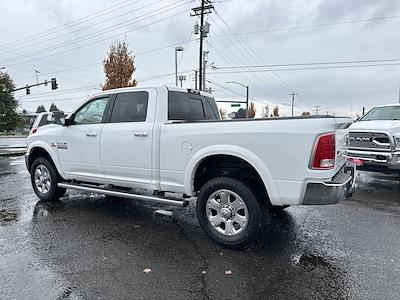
x,y
67,121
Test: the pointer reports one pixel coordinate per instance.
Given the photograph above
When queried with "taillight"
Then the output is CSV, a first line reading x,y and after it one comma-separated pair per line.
x,y
324,152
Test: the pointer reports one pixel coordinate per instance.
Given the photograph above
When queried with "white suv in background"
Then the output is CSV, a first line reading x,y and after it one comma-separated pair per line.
x,y
42,120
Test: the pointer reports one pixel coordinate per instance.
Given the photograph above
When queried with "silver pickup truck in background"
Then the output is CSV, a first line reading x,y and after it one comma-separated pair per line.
x,y
373,142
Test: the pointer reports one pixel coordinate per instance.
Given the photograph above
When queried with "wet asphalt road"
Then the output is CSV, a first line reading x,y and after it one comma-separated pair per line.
x,y
93,247
12,142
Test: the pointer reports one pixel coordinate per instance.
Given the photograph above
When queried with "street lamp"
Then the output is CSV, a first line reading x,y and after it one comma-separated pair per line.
x,y
247,95
177,49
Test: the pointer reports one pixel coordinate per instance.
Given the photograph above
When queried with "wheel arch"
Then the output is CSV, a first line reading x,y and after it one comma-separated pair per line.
x,y
232,153
40,150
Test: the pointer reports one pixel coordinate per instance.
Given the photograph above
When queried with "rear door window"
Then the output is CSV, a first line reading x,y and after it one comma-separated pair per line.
x,y
130,107
185,106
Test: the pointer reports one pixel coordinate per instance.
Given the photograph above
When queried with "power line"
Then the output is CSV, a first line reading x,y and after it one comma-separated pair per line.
x,y
244,53
312,63
140,18
89,26
311,68
104,39
262,60
315,25
72,23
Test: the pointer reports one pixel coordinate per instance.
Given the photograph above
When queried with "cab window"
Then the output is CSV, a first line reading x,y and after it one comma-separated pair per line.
x,y
184,106
130,107
92,112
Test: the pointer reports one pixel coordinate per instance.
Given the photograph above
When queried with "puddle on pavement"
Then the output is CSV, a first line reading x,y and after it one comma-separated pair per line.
x,y
310,261
7,216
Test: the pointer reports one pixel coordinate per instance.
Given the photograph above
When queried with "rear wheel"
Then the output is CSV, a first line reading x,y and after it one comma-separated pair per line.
x,y
229,212
45,178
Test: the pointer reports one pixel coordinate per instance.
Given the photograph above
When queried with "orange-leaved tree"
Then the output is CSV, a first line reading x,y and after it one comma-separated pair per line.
x,y
119,66
252,110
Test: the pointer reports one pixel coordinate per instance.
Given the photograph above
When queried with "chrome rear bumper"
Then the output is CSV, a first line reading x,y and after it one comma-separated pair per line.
x,y
333,191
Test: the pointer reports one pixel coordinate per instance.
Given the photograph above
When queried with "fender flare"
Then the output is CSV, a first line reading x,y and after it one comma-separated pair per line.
x,y
238,152
46,147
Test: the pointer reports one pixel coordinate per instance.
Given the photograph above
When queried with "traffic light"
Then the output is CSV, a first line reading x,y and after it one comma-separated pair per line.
x,y
54,84
28,90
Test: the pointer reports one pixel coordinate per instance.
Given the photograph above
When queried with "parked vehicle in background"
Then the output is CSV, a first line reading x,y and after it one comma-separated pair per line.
x,y
373,142
169,139
43,119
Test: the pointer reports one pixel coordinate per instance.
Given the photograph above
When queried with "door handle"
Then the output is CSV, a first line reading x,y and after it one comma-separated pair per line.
x,y
140,133
94,134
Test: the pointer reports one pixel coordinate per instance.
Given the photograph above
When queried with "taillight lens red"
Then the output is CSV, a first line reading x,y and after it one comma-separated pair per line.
x,y
324,152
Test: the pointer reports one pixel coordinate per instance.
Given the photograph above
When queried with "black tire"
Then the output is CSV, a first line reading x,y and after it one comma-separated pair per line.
x,y
256,217
53,193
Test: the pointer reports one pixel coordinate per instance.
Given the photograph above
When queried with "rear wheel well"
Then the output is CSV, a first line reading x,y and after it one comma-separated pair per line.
x,y
232,167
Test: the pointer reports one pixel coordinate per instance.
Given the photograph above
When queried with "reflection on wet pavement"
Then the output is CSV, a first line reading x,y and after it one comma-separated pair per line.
x,y
93,246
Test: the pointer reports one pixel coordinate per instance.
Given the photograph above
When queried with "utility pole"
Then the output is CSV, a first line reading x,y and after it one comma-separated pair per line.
x,y
205,53
203,29
247,102
317,107
36,75
195,79
293,94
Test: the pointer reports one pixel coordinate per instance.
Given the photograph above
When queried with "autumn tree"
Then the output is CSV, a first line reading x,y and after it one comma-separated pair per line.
x,y
119,66
40,109
8,104
275,112
252,110
306,113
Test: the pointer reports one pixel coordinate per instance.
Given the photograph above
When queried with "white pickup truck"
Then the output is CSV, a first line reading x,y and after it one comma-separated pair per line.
x,y
169,139
374,140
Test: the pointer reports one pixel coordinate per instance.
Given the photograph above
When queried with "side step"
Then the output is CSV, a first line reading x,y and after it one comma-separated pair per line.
x,y
90,189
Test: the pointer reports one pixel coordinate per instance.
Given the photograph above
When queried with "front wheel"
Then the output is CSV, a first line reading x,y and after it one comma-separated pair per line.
x,y
45,180
229,212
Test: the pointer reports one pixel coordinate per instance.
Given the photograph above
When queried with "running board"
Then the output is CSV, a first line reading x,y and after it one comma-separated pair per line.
x,y
89,189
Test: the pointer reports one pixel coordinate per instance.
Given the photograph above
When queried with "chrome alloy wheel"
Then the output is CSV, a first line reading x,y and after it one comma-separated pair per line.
x,y
42,179
227,212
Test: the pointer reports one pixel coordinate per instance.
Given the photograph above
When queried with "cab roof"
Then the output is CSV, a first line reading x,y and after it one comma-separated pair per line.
x,y
168,87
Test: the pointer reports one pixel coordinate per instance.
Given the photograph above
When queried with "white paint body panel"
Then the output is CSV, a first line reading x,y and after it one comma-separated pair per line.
x,y
279,150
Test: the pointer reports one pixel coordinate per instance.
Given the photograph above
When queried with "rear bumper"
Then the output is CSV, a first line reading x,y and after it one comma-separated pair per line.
x,y
333,191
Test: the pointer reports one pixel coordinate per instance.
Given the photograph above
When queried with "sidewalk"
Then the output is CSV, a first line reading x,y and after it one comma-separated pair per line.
x,y
8,152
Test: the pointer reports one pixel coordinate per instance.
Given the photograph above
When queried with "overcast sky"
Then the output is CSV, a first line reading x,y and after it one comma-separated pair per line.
x,y
42,35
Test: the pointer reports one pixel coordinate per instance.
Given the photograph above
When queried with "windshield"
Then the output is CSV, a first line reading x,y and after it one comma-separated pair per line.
x,y
383,113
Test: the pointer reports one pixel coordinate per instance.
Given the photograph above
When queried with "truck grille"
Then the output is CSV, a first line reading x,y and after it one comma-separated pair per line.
x,y
369,141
